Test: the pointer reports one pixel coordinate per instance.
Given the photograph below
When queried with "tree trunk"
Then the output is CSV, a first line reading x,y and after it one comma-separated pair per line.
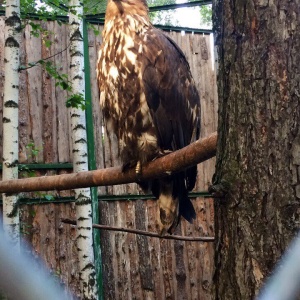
x,y
83,202
10,118
258,153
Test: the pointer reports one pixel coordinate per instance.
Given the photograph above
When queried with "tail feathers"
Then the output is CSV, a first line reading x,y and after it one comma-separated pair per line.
x,y
173,202
186,209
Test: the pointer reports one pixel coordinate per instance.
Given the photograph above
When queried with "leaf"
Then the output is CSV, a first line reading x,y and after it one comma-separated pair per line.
x,y
49,197
76,101
48,43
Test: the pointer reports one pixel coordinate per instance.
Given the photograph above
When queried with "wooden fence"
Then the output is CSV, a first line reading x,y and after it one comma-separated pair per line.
x,y
134,267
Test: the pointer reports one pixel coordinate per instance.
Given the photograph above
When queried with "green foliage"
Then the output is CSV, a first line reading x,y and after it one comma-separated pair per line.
x,y
44,196
37,30
162,17
94,28
94,7
32,148
25,228
26,172
49,197
76,101
61,79
160,2
60,7
28,6
206,14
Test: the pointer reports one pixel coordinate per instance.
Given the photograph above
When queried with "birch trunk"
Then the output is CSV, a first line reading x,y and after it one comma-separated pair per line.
x,y
87,271
10,118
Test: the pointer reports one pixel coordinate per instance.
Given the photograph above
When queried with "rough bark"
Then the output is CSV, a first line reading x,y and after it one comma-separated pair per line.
x,y
258,160
10,118
87,273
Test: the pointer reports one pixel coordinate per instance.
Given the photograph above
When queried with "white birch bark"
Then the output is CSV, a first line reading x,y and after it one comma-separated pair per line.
x,y
10,118
80,158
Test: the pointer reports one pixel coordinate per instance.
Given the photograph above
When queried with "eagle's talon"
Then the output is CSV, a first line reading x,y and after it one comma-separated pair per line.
x,y
138,170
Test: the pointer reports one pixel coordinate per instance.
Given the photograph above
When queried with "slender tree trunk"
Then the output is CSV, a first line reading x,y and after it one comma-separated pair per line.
x,y
10,117
80,158
258,151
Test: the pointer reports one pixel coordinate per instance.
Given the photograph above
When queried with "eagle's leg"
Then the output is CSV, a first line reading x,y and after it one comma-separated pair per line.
x,y
138,168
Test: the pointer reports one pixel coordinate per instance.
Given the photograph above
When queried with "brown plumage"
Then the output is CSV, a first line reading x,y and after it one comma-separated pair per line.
x,y
149,100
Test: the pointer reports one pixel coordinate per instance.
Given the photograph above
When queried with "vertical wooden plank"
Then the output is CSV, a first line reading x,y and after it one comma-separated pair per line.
x,y
145,267
181,273
191,251
166,257
123,263
49,124
59,42
108,252
94,44
34,83
65,247
204,225
133,254
24,118
154,248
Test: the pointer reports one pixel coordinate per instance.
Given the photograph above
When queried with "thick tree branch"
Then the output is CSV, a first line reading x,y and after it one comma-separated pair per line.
x,y
146,233
193,154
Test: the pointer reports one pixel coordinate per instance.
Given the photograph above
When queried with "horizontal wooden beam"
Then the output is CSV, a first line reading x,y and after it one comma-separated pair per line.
x,y
193,154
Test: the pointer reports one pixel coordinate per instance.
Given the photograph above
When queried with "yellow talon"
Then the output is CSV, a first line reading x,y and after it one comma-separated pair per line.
x,y
138,168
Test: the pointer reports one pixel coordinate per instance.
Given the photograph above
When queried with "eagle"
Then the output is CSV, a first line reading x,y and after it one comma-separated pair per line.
x,y
149,100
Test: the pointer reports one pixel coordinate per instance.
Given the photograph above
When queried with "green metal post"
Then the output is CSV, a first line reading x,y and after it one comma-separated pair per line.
x,y
92,160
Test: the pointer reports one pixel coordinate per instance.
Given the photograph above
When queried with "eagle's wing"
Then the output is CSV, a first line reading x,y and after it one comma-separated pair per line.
x,y
175,109
171,95
170,92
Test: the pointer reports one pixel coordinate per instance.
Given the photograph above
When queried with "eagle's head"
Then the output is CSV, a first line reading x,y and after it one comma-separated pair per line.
x,y
120,7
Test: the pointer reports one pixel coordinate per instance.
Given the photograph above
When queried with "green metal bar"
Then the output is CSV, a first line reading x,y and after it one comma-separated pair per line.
x,y
92,160
161,7
126,197
180,5
102,15
100,21
96,21
43,200
186,29
41,166
59,6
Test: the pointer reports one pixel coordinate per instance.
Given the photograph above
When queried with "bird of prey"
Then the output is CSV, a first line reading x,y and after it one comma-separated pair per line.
x,y
149,100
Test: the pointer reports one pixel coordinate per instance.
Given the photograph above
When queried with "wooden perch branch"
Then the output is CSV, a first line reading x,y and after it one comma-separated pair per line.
x,y
193,154
146,233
